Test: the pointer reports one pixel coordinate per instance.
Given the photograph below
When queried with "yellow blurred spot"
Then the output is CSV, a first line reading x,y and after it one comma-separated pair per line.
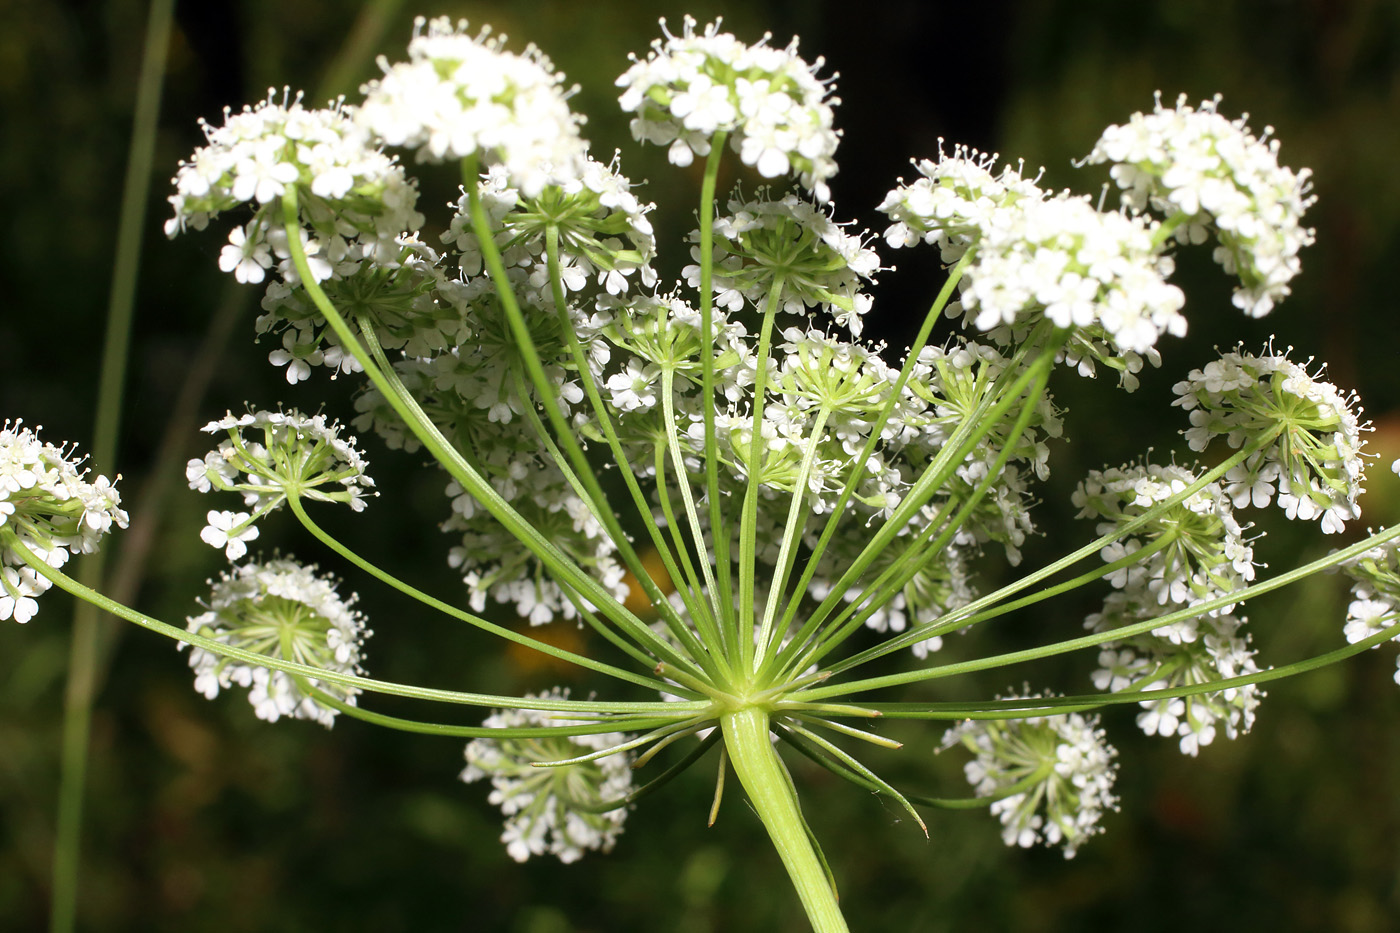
x,y
1380,504
655,567
528,660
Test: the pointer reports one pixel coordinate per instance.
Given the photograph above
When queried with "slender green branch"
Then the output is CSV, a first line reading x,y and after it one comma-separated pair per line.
x,y
876,431
748,518
672,726
877,595
1117,634
691,578
846,730
972,612
683,633
386,381
546,392
660,780
68,584
792,728
447,609
1027,783
722,594
1032,708
709,560
568,728
600,409
769,637
841,769
966,436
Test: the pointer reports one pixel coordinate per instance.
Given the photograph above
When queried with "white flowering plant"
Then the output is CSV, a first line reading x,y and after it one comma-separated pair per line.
x,y
747,502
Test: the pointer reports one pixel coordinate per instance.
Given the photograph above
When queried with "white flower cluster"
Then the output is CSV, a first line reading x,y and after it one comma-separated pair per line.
x,y
1191,552
776,109
285,610
48,505
1211,649
764,241
460,95
603,229
1100,275
1375,604
354,198
551,809
955,200
1052,776
1315,465
300,455
409,298
1215,173
1080,268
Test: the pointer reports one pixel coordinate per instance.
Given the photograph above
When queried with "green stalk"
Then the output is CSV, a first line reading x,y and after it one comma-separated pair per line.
x,y
689,598
546,391
1055,706
1117,634
692,579
964,438
84,651
442,450
674,624
709,562
600,727
447,609
770,791
989,606
367,684
769,638
904,569
748,519
722,595
876,429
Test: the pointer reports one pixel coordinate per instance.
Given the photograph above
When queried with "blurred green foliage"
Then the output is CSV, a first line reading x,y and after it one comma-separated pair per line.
x,y
202,818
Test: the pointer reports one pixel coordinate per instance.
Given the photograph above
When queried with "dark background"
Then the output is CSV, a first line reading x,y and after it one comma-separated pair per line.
x,y
200,817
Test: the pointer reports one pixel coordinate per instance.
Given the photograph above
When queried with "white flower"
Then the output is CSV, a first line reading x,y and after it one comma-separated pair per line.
x,y
1069,762
458,96
770,101
230,531
284,610
18,588
820,264
954,202
1081,268
47,502
551,809
276,451
1216,174
345,186
245,258
1196,549
1375,605
1162,658
1315,463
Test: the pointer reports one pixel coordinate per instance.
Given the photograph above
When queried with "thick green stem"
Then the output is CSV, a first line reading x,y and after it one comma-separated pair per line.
x,y
770,791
